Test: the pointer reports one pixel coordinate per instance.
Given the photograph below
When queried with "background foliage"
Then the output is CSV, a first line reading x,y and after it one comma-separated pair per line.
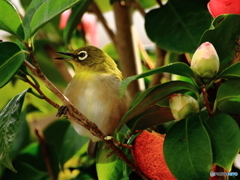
x,y
177,28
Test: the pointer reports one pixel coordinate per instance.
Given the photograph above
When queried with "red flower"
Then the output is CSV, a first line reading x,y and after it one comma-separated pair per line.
x,y
218,7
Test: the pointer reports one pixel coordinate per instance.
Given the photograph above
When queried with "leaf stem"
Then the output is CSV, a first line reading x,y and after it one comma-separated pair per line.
x,y
159,2
206,102
45,152
138,6
102,19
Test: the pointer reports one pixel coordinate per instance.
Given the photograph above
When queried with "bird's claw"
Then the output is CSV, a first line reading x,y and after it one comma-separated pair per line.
x,y
62,111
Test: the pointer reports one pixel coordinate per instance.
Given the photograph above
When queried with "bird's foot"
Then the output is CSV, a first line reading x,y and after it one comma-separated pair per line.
x,y
62,111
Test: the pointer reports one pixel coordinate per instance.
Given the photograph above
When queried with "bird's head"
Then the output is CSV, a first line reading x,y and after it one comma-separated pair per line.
x,y
92,59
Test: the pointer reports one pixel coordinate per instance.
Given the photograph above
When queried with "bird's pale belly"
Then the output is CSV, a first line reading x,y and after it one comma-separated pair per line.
x,y
98,99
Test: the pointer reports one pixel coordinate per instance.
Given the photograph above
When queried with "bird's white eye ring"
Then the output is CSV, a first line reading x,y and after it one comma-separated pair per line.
x,y
82,55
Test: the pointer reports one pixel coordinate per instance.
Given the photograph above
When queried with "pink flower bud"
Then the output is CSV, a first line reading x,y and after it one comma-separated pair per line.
x,y
218,7
205,62
183,106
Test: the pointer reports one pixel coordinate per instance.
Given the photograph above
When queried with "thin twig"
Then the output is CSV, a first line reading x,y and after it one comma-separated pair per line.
x,y
73,114
102,19
159,2
45,152
42,94
145,55
138,6
206,103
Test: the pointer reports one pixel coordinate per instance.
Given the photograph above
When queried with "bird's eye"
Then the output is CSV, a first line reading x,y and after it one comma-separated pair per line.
x,y
82,55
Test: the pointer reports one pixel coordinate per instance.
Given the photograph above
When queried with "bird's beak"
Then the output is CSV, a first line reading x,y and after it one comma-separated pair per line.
x,y
66,54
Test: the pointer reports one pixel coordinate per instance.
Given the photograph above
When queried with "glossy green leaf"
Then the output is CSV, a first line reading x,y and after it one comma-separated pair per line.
x,y
9,123
223,35
230,72
178,26
71,143
74,19
23,136
155,115
187,148
40,12
10,20
224,134
110,168
228,96
25,3
173,68
155,94
11,58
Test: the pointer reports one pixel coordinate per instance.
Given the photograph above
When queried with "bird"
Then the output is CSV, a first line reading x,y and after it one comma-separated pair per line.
x,y
95,91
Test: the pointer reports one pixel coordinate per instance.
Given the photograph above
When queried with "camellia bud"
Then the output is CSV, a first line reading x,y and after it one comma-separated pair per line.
x,y
183,105
205,62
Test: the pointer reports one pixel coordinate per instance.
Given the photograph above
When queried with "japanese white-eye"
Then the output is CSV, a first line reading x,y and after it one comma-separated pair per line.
x,y
95,90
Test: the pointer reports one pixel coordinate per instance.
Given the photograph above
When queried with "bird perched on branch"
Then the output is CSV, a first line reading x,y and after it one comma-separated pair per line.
x,y
95,90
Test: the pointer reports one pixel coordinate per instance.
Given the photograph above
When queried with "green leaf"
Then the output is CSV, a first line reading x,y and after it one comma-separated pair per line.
x,y
147,4
104,5
110,168
178,26
228,96
174,68
224,45
41,12
72,142
31,156
23,136
187,148
224,134
230,72
74,19
11,58
10,20
9,123
54,138
54,141
22,167
153,95
155,115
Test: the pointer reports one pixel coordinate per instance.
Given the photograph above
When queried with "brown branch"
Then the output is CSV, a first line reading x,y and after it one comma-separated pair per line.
x,y
159,2
220,169
206,103
73,114
102,19
129,60
45,152
42,94
160,60
236,57
138,6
